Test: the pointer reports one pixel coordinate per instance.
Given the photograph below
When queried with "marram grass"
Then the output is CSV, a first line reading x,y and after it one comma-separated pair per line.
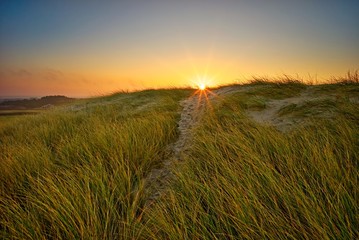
x,y
243,180
78,174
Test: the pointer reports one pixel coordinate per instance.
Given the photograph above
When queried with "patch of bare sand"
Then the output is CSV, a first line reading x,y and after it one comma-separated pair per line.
x,y
270,115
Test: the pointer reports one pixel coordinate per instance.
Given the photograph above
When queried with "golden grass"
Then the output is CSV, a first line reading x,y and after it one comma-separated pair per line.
x,y
78,174
247,181
71,175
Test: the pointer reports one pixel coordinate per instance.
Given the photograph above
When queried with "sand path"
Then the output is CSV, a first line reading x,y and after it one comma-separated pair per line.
x,y
158,179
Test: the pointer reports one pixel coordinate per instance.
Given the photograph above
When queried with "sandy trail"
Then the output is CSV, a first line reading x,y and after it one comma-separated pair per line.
x,y
159,178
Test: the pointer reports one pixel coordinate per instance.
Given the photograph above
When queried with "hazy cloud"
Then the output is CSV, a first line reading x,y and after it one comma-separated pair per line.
x,y
43,74
40,82
52,74
23,73
15,73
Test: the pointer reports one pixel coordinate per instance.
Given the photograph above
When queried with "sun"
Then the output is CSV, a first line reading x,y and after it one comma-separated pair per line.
x,y
202,82
202,86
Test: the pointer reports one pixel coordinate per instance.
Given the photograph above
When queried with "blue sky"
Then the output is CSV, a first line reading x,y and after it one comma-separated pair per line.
x,y
111,45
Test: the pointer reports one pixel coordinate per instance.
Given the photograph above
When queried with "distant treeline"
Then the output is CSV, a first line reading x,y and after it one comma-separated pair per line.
x,y
34,103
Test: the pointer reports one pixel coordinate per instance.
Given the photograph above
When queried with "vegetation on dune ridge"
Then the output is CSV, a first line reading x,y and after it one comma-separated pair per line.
x,y
245,180
351,77
77,172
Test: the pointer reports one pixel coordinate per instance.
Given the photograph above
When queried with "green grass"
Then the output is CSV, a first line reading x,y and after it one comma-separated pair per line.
x,y
242,180
74,175
318,108
278,90
77,172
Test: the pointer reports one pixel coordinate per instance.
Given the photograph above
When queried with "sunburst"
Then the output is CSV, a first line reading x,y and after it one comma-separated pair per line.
x,y
202,86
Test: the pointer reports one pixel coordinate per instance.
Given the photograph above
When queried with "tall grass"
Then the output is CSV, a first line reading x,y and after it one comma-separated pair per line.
x,y
352,77
78,172
79,175
242,180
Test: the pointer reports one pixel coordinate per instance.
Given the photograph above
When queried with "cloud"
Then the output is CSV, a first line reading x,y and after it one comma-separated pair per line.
x,y
20,73
23,73
52,74
48,81
37,82
33,75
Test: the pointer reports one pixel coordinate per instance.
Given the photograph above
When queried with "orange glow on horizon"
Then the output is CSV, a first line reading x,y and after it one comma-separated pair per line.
x,y
202,82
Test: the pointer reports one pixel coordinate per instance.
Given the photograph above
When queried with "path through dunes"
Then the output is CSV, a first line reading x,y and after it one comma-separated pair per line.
x,y
193,108
159,178
275,114
245,179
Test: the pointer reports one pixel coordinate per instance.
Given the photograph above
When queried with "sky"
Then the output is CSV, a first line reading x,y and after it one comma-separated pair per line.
x,y
89,48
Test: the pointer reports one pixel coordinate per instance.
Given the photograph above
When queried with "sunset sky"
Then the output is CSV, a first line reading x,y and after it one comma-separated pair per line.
x,y
87,48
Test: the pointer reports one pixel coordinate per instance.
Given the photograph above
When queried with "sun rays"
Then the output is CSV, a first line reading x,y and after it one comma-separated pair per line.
x,y
204,96
202,86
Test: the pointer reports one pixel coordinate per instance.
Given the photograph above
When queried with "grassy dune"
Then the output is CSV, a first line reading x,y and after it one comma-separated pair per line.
x,y
78,172
246,180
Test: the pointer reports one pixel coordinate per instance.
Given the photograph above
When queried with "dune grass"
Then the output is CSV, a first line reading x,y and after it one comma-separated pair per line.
x,y
77,172
242,180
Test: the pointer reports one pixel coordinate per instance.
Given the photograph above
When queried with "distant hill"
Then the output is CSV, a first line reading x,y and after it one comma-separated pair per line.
x,y
35,103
